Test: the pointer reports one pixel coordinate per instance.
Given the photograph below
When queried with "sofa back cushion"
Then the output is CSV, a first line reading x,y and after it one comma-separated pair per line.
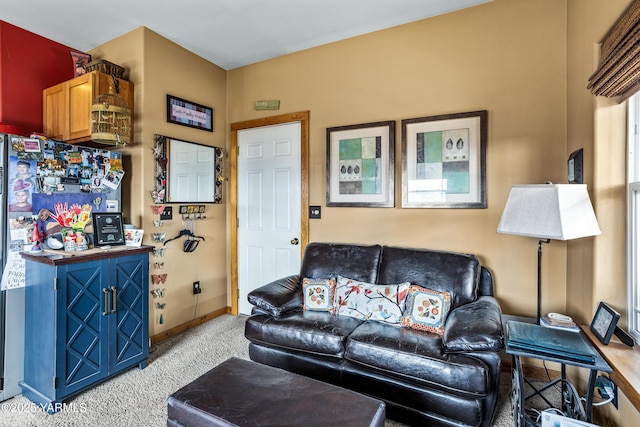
x,y
330,260
442,271
363,300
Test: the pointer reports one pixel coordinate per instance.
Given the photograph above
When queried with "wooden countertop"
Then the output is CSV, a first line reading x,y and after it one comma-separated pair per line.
x,y
60,257
624,361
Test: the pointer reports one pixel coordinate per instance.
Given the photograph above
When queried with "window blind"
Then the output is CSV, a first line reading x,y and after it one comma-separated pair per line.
x,y
618,72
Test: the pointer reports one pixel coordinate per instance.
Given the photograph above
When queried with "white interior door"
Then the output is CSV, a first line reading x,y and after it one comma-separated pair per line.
x,y
268,206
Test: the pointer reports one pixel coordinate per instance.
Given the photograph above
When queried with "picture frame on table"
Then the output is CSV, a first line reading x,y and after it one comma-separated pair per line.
x,y
604,322
190,114
360,165
444,161
108,229
133,237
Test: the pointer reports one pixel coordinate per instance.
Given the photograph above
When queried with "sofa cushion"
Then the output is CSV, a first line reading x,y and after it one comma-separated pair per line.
x,y
426,310
318,294
438,270
416,357
278,297
476,326
303,331
362,300
331,260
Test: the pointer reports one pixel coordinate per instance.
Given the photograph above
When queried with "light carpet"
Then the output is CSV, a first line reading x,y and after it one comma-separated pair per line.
x,y
138,397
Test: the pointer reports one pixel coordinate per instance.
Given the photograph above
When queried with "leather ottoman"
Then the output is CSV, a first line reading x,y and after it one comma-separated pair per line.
x,y
240,392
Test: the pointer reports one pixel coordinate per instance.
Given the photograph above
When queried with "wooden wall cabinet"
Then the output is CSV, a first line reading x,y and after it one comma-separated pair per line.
x,y
86,319
67,106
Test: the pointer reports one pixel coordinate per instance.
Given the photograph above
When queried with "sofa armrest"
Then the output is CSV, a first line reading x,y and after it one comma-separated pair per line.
x,y
476,326
278,297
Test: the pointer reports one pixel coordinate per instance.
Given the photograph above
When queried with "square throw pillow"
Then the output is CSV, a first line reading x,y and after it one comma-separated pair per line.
x,y
426,310
363,300
318,294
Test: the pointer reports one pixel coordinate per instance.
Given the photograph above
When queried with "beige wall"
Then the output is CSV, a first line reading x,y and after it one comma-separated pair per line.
x,y
507,57
525,62
596,266
159,67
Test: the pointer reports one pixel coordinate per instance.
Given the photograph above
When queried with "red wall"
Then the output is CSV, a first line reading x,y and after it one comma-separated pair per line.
x,y
29,63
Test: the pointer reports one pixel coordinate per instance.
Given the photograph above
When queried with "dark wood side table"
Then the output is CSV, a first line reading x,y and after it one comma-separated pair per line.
x,y
545,342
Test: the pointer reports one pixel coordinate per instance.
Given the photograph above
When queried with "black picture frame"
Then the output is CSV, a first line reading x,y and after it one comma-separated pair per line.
x,y
574,167
361,165
108,229
452,172
190,114
604,322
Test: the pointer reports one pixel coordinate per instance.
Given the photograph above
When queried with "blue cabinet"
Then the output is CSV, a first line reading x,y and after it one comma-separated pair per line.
x,y
86,319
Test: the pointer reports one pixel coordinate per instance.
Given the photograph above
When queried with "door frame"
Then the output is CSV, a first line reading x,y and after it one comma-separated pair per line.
x,y
303,118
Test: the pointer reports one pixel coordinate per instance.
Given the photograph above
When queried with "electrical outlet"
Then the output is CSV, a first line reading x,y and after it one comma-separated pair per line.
x,y
196,288
607,389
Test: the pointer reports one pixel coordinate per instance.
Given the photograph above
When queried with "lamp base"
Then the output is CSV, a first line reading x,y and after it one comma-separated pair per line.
x,y
540,242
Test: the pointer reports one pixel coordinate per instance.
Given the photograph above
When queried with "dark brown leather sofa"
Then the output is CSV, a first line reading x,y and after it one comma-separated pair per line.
x,y
424,378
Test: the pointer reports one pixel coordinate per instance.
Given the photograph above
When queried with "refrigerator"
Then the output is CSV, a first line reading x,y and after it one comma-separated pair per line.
x,y
40,175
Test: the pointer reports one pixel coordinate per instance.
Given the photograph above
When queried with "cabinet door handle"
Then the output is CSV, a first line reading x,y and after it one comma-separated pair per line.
x,y
106,301
115,300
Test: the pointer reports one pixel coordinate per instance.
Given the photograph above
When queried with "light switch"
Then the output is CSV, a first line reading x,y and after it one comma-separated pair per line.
x,y
314,212
167,213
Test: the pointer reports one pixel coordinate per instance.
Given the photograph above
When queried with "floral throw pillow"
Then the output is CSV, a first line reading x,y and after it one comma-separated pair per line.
x,y
363,300
318,294
426,310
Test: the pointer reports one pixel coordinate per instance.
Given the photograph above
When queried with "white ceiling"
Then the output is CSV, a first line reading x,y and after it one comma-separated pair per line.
x,y
228,33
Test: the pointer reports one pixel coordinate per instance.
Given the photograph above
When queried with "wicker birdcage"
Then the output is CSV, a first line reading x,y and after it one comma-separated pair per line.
x,y
110,120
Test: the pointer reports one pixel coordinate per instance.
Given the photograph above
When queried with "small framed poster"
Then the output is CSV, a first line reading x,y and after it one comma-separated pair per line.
x,y
31,145
133,237
574,167
108,229
444,161
360,165
80,62
604,322
187,113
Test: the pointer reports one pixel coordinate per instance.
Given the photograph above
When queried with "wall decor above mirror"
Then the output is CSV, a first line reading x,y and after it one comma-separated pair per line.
x,y
187,113
187,172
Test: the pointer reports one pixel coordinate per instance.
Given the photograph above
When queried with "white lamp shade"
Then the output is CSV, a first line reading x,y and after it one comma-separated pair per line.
x,y
549,211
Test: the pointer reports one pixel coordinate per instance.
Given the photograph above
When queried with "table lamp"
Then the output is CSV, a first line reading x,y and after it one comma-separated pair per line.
x,y
548,211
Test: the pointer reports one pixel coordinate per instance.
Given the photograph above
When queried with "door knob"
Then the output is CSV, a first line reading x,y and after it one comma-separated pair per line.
x,y
295,241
